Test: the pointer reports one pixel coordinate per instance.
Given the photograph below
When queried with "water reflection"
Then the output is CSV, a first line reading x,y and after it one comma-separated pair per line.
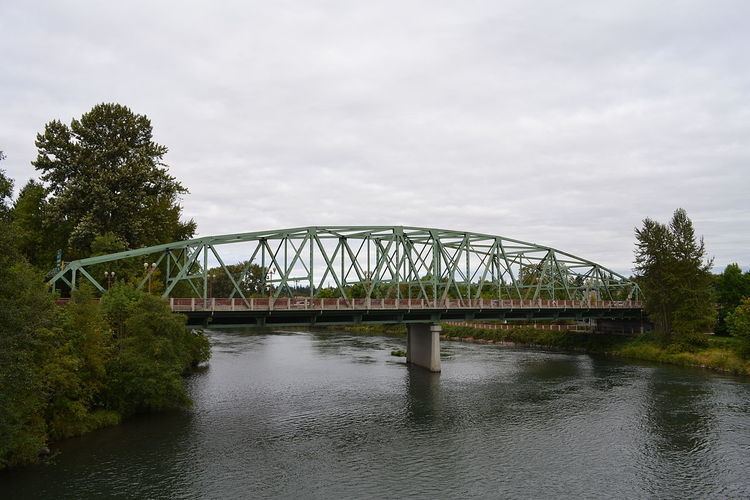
x,y
423,396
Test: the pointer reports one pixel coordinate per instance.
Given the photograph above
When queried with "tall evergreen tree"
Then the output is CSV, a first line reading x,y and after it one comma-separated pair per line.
x,y
674,274
105,174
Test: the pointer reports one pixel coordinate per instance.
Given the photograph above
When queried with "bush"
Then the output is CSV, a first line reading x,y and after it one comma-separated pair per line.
x,y
69,370
738,324
153,349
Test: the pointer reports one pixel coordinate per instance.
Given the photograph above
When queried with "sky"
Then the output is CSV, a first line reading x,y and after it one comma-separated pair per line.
x,y
564,123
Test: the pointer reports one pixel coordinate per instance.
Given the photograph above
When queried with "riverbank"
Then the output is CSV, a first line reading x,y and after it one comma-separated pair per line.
x,y
719,353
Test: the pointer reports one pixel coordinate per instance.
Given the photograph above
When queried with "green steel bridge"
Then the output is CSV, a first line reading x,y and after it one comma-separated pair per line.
x,y
356,274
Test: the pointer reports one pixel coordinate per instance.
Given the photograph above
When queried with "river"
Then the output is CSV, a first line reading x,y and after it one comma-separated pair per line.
x,y
309,415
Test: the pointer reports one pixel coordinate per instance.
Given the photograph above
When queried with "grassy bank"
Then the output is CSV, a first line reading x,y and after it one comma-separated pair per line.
x,y
717,353
388,330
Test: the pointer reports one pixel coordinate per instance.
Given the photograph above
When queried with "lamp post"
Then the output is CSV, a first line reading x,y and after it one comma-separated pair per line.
x,y
211,276
149,271
269,279
110,275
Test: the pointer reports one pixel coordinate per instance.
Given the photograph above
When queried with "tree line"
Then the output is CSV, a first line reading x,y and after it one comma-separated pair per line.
x,y
67,370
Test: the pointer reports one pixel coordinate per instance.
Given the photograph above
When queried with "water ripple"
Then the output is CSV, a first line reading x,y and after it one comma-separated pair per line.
x,y
325,416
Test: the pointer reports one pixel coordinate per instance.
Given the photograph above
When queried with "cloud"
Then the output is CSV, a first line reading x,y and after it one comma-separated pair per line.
x,y
564,124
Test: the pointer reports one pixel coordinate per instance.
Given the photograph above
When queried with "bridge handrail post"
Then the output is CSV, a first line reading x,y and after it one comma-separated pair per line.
x,y
213,304
192,304
171,303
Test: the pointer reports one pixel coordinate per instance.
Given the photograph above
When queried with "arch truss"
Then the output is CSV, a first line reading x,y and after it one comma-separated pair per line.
x,y
363,262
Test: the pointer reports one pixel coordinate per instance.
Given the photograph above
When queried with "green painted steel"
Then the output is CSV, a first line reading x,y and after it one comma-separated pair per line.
x,y
371,262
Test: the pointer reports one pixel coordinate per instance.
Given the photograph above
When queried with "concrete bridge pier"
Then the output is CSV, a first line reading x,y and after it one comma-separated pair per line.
x,y
423,345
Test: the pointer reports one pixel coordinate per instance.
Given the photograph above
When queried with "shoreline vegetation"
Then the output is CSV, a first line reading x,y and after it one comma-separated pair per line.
x,y
92,364
721,354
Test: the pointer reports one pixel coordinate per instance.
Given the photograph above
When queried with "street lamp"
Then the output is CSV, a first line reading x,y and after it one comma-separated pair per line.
x,y
211,276
149,270
110,275
269,278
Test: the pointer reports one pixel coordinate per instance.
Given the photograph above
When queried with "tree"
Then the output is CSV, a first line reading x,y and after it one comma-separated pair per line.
x,y
26,322
38,238
6,191
674,275
738,324
696,311
153,350
731,287
250,282
105,174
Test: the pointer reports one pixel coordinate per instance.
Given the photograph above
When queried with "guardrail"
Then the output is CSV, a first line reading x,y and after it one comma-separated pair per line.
x,y
312,304
513,326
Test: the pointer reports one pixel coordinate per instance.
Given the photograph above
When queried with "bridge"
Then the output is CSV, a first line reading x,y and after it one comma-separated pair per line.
x,y
357,274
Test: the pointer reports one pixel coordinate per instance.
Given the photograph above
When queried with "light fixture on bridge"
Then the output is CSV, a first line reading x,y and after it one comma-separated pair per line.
x,y
149,269
110,275
269,279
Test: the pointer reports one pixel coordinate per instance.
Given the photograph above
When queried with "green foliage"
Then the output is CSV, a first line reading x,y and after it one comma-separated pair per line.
x,y
738,324
37,236
673,272
153,350
6,192
105,174
250,281
731,287
76,373
125,271
26,322
68,370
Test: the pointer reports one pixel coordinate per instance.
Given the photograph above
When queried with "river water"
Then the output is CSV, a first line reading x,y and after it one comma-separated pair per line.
x,y
308,415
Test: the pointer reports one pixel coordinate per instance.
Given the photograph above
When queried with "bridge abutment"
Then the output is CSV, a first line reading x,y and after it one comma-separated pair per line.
x,y
423,345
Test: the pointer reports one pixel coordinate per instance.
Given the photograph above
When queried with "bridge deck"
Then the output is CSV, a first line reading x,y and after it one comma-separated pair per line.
x,y
311,311
311,304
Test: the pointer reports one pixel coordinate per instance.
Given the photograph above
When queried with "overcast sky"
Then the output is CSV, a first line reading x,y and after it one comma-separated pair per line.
x,y
563,123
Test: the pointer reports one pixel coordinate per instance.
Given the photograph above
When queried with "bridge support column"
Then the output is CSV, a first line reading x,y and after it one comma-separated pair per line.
x,y
423,345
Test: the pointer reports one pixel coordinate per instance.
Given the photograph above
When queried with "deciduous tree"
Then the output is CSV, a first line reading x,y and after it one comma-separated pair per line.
x,y
731,287
738,324
106,174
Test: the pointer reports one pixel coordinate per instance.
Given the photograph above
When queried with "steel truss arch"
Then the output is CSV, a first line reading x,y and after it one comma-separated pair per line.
x,y
371,262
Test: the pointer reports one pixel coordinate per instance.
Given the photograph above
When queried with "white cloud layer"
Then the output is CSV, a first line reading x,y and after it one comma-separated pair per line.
x,y
563,123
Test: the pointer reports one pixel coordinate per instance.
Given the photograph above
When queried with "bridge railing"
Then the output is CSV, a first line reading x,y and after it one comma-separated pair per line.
x,y
317,304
